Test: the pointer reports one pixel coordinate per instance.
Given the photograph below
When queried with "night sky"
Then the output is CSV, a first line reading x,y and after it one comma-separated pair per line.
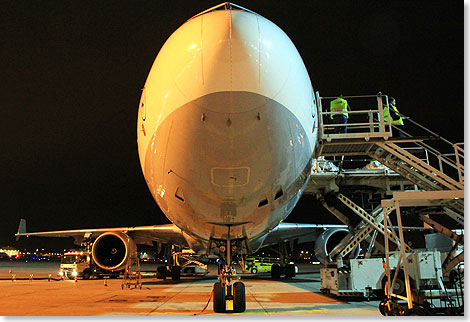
x,y
71,74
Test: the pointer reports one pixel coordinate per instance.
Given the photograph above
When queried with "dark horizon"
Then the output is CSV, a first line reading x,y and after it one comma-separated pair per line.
x,y
72,74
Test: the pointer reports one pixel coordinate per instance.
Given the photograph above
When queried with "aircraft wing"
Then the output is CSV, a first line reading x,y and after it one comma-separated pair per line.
x,y
168,233
307,232
303,232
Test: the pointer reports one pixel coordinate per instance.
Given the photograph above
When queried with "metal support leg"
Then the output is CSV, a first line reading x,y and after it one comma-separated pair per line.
x,y
403,256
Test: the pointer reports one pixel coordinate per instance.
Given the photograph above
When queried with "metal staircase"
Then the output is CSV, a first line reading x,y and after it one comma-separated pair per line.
x,y
369,223
410,166
415,161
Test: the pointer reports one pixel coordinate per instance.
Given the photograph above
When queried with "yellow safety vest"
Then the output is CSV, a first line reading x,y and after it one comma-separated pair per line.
x,y
386,116
339,106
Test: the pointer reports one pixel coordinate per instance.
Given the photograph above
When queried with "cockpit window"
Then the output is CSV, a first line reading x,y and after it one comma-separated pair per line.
x,y
179,194
279,194
263,203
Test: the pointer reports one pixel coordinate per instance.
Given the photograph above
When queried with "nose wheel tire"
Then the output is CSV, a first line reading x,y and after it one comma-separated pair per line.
x,y
218,298
239,299
254,271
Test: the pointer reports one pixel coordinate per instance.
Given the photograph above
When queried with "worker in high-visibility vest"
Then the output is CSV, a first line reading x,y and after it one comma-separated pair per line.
x,y
396,118
339,114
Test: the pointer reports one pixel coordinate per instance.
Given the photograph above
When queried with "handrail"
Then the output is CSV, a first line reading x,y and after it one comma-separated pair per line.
x,y
457,148
352,112
427,146
373,128
426,129
354,96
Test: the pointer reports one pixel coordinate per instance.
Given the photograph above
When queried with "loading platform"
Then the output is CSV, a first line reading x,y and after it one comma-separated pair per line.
x,y
404,172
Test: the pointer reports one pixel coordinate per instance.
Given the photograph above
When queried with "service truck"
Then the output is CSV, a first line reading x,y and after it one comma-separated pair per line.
x,y
79,264
366,276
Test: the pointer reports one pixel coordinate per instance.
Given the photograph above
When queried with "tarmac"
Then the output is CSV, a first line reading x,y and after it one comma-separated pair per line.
x,y
39,296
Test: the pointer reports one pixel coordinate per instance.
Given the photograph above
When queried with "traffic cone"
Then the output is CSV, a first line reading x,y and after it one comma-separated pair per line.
x,y
105,281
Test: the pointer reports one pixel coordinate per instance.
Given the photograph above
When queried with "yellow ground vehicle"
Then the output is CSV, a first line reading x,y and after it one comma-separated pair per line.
x,y
256,265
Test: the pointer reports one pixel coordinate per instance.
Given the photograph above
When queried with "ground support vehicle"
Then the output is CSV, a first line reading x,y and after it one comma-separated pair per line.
x,y
367,277
188,265
79,264
256,265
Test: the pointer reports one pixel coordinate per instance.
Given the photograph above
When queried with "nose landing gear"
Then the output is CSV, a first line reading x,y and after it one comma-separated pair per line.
x,y
229,292
229,296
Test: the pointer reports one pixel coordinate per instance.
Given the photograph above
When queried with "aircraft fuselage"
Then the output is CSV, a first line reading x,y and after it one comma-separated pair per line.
x,y
227,126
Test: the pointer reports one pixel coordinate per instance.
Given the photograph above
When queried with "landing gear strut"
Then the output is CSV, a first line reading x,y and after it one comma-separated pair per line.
x,y
228,290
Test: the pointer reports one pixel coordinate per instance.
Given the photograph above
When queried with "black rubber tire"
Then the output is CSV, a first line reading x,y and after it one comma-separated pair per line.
x,y
254,270
86,274
161,272
276,271
218,298
175,273
70,276
239,298
290,270
400,286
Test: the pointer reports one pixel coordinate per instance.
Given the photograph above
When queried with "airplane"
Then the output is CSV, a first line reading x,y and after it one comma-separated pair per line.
x,y
227,133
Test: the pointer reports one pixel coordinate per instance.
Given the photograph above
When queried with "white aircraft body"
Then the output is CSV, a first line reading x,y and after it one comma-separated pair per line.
x,y
227,129
226,126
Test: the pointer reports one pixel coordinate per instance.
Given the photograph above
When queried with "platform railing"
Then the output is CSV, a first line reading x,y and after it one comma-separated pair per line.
x,y
450,163
362,123
369,123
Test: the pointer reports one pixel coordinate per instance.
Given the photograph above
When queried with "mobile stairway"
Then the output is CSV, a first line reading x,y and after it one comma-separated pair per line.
x,y
413,173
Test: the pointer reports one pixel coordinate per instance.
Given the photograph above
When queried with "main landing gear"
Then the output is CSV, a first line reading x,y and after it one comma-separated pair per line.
x,y
288,270
228,292
173,269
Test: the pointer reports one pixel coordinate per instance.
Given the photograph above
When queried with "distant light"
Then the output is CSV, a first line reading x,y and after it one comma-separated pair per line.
x,y
192,46
267,43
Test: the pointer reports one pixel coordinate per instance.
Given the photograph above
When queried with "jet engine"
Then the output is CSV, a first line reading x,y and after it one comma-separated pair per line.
x,y
112,250
328,240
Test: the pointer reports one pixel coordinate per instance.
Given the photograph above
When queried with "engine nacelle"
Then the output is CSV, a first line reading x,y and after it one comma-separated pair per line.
x,y
328,240
112,250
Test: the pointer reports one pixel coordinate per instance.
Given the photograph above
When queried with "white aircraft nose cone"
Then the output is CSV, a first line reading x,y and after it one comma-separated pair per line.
x,y
243,51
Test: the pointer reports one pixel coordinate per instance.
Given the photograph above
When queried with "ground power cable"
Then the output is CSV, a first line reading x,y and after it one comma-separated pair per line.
x,y
207,304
